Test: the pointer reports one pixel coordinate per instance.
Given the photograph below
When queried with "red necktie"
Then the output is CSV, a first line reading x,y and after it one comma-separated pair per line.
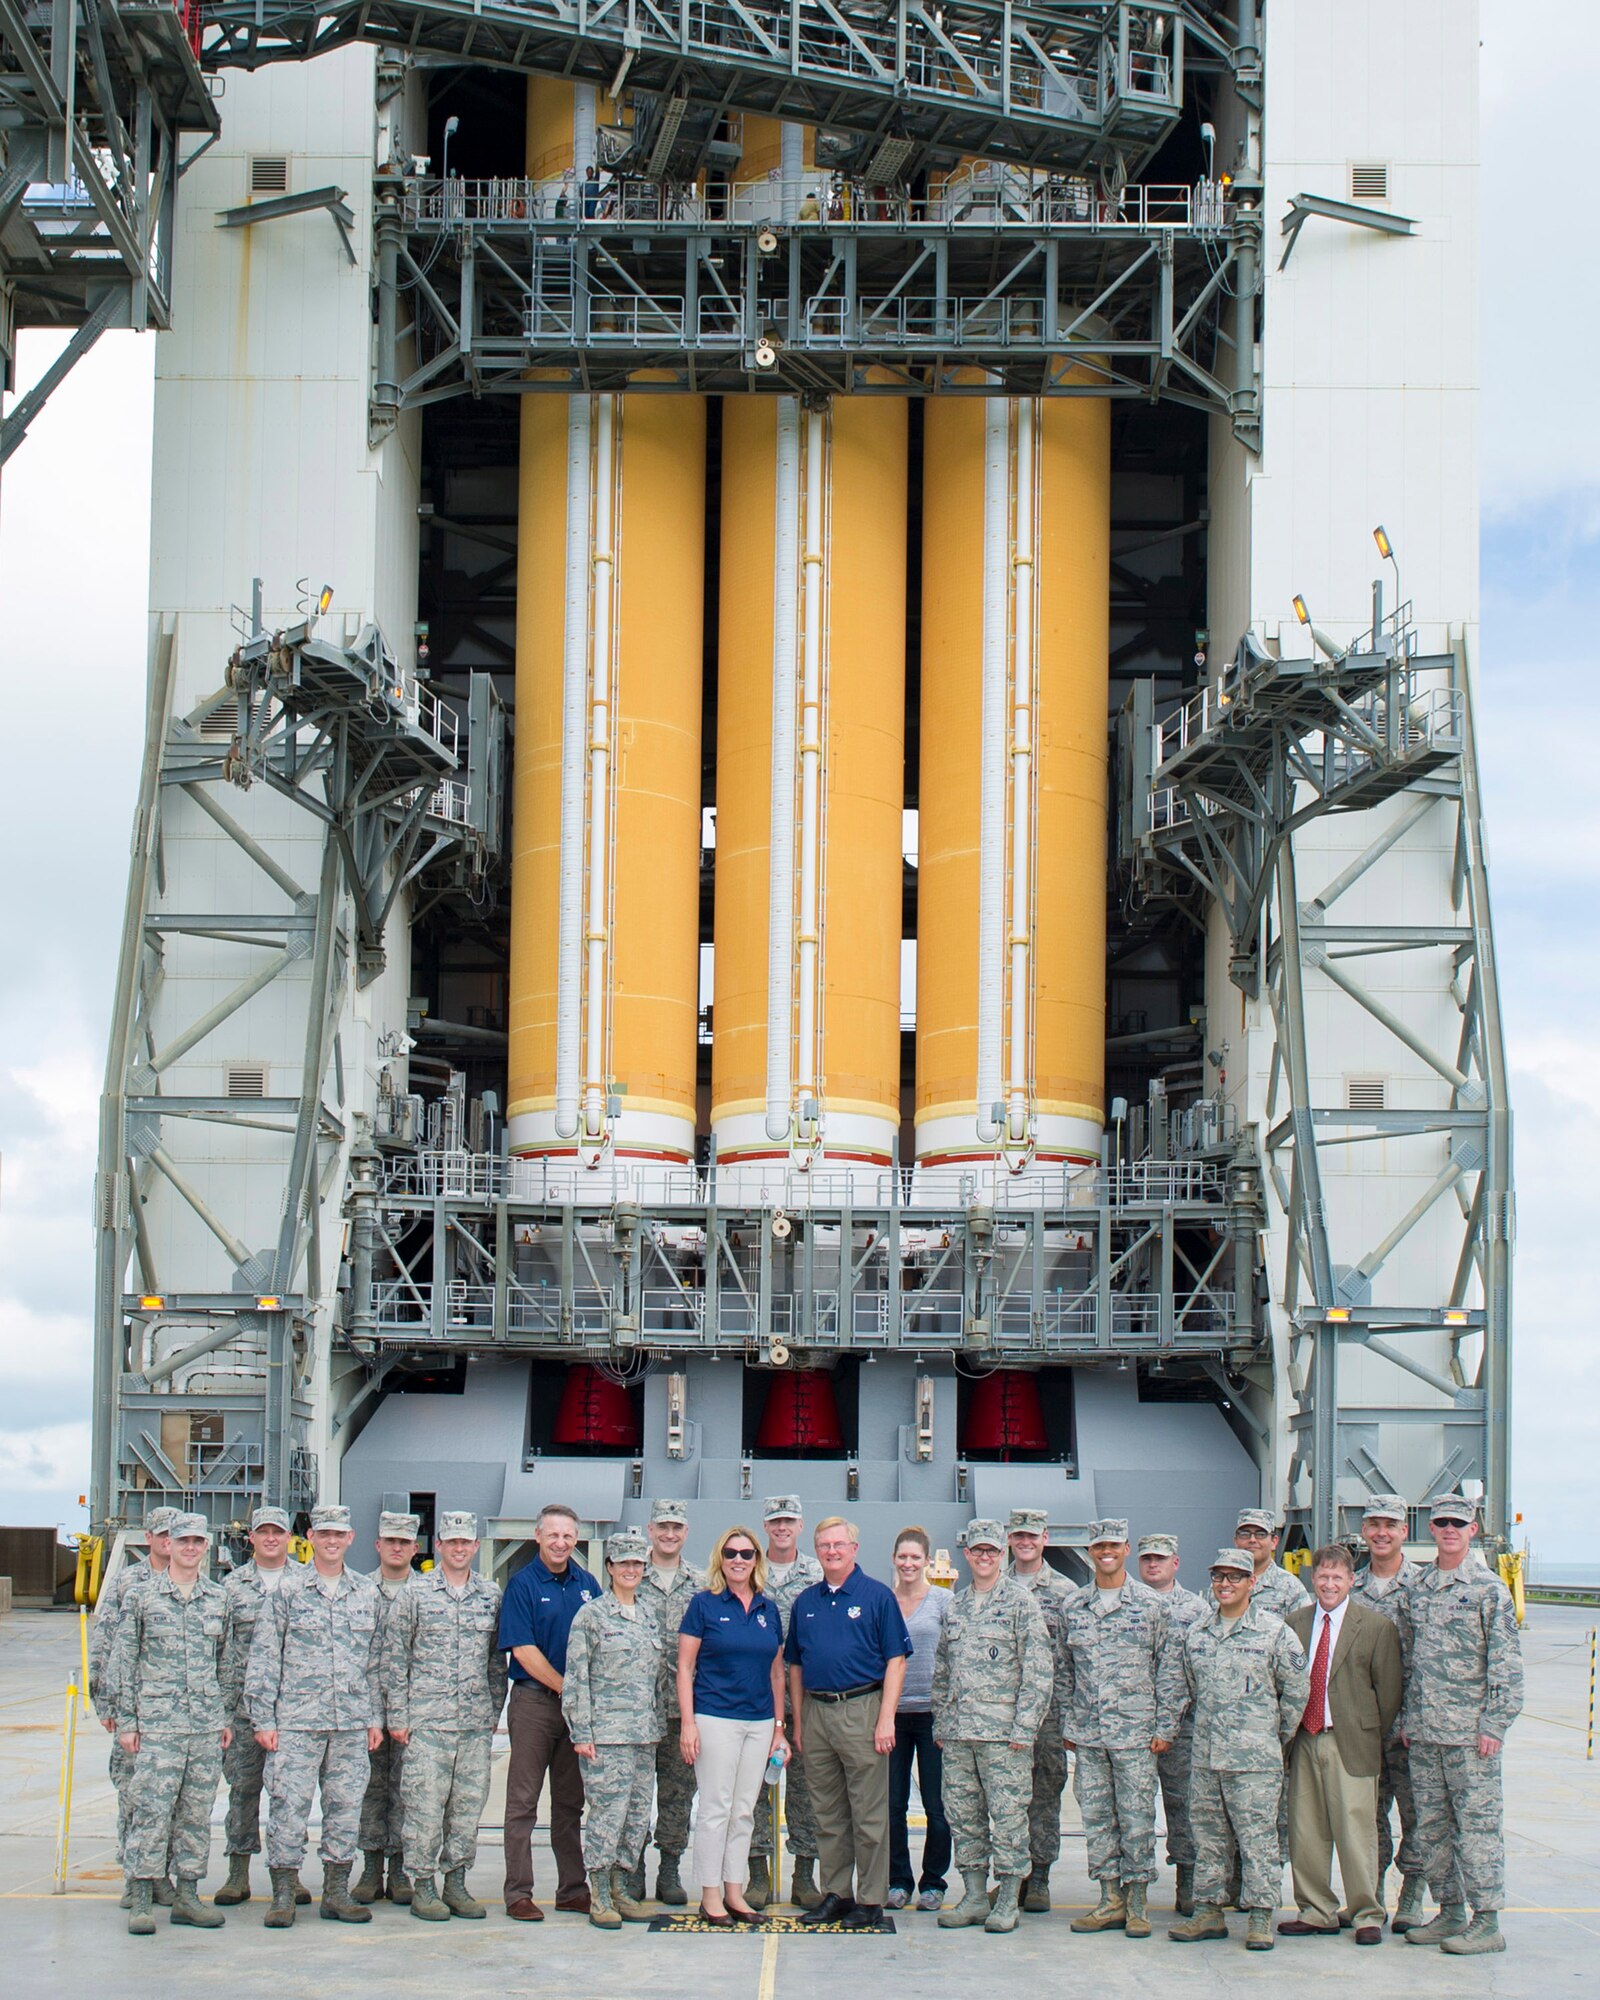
x,y
1317,1707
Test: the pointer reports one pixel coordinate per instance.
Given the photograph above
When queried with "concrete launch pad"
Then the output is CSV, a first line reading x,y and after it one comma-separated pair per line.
x,y
76,1943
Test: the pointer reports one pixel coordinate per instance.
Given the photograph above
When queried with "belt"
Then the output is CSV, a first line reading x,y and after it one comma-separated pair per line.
x,y
844,1694
536,1687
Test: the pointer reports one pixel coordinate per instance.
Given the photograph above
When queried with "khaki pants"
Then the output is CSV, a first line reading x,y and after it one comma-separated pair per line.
x,y
850,1796
1329,1810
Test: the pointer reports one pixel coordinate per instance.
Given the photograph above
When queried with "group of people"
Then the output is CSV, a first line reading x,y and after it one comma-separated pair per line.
x,y
1277,1725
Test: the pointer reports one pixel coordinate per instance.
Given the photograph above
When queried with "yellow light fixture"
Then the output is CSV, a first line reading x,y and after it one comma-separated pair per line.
x,y
1380,535
325,597
1337,1315
152,1302
271,1303
1454,1316
1300,610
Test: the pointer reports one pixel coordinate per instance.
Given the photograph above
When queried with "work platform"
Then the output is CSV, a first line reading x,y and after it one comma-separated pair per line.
x,y
1552,1922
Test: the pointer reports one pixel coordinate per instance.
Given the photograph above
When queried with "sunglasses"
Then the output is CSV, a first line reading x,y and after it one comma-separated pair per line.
x,y
739,1555
1452,1524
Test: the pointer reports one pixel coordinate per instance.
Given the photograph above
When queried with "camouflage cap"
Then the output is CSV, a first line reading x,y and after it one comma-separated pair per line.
x,y
270,1517
1028,1521
457,1528
1107,1531
330,1517
1238,1559
983,1535
1257,1517
1453,1507
669,1510
1385,1507
627,1545
402,1526
159,1520
1159,1545
190,1525
782,1507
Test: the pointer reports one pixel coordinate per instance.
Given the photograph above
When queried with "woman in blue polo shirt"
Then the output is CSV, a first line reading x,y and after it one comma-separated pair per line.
x,y
730,1688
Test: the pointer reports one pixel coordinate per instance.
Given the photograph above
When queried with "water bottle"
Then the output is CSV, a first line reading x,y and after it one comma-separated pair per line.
x,y
774,1767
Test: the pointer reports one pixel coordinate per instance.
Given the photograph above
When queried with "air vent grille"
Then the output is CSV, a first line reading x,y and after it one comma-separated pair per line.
x,y
218,724
246,1080
1369,181
269,173
1365,1093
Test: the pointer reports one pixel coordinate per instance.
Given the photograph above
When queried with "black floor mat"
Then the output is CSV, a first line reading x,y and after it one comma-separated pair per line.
x,y
769,1926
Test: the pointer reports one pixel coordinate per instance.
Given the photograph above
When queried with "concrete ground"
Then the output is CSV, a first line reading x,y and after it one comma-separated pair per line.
x,y
77,1943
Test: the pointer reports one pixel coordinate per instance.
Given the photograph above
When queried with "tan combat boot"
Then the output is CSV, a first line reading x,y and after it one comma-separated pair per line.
x,y
973,1907
1138,1924
1109,1914
1482,1934
1207,1922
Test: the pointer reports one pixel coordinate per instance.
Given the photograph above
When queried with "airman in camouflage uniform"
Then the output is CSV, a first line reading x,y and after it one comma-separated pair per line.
x,y
311,1689
1122,1698
1249,1683
444,1685
102,1648
669,1584
614,1700
382,1838
1158,1571
1458,1632
1277,1591
993,1678
244,1762
1027,1532
1383,1528
170,1722
790,1569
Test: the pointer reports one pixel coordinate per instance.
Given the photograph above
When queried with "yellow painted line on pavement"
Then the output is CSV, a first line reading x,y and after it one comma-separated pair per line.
x,y
767,1984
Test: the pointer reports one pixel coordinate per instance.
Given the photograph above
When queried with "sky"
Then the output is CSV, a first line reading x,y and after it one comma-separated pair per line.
x,y
74,522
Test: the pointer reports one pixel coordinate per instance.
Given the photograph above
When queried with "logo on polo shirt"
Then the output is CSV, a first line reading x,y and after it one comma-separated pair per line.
x,y
761,1620
854,1611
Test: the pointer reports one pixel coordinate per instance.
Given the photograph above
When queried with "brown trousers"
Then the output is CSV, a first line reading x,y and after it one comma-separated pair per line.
x,y
1331,1812
540,1745
849,1785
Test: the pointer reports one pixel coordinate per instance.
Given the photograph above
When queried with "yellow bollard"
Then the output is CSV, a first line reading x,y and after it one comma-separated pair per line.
x,y
1513,1574
69,1748
83,1653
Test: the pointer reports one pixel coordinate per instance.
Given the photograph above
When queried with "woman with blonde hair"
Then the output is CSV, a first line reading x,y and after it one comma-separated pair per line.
x,y
730,1689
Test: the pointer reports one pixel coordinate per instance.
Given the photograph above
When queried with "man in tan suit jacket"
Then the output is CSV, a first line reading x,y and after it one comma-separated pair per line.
x,y
1337,1753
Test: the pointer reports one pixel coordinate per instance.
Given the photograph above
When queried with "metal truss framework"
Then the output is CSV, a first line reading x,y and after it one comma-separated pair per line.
x,y
370,758
1077,84
1267,749
1003,282
95,96
488,1254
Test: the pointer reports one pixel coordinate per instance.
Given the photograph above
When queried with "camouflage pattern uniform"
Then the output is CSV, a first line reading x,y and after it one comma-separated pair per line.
x,y
165,1674
993,1681
244,1762
614,1696
1383,1595
1279,1592
444,1680
784,1584
102,1646
381,1811
1051,1591
1249,1688
664,1596
313,1677
1121,1682
1458,1631
1173,1767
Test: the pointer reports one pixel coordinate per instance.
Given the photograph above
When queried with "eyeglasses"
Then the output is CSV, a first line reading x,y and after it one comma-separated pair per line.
x,y
1254,1534
739,1555
1452,1524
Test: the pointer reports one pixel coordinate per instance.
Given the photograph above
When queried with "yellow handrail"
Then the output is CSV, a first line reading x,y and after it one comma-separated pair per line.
x,y
69,1746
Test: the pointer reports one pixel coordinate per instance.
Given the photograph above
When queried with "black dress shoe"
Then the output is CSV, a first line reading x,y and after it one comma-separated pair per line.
x,y
831,1910
719,1922
863,1917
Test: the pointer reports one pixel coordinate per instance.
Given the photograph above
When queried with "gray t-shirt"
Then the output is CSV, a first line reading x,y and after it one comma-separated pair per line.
x,y
924,1625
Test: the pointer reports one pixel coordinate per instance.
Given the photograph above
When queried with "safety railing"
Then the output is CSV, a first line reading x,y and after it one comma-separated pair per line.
x,y
982,200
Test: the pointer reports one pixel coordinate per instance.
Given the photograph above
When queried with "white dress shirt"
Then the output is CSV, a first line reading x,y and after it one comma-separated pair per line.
x,y
1333,1620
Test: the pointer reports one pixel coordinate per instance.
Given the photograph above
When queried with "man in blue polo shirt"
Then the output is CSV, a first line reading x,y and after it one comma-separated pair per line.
x,y
536,1615
847,1650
